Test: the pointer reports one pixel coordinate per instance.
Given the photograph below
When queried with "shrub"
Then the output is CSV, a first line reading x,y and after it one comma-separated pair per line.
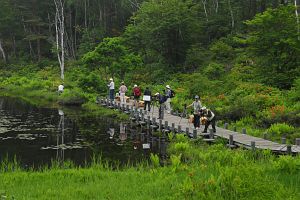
x,y
288,164
281,128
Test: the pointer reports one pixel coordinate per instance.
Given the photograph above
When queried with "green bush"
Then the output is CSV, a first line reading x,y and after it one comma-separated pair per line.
x,y
280,129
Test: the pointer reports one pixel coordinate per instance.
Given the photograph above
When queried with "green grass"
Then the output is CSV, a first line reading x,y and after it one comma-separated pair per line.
x,y
195,171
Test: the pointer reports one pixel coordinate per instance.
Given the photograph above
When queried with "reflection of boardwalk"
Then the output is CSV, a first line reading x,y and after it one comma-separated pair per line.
x,y
247,141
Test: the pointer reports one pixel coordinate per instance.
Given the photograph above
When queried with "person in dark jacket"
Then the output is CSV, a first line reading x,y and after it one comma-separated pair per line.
x,y
161,100
211,119
147,98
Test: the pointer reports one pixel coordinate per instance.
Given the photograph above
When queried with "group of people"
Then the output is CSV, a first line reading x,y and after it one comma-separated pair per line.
x,y
164,99
202,113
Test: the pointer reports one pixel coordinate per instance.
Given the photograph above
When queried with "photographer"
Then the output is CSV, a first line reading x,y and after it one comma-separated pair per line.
x,y
211,119
197,106
161,100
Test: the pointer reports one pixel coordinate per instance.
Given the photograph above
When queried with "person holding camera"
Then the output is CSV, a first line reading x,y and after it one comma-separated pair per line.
x,y
211,119
147,98
197,107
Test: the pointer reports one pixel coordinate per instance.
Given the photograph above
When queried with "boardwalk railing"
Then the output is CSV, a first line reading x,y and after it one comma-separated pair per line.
x,y
181,125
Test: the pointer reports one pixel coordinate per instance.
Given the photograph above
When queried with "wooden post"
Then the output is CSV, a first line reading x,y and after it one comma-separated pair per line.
x,y
179,129
187,131
226,125
289,149
283,140
253,145
244,131
297,141
173,127
231,143
119,105
154,121
160,124
127,107
195,134
166,125
211,133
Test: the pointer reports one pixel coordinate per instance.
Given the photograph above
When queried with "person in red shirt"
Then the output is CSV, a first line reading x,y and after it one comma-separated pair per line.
x,y
136,93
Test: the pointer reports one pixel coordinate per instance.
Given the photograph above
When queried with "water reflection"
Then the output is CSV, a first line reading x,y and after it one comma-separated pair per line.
x,y
39,135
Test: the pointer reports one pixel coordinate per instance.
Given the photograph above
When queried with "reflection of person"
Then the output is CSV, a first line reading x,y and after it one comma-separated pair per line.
x,y
196,106
211,119
60,88
111,87
123,135
123,90
147,98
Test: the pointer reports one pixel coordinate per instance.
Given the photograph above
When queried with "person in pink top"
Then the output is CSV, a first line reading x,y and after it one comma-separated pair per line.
x,y
123,90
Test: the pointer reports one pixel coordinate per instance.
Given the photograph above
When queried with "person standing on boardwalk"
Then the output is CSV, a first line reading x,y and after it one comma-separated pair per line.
x,y
211,119
123,90
136,94
60,88
111,87
161,98
168,95
197,107
147,98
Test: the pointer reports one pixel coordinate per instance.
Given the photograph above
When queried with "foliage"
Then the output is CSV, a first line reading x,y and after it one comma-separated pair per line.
x,y
281,129
273,40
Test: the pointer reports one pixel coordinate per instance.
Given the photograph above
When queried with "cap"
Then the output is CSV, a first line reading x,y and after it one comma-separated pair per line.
x,y
167,86
111,79
135,85
196,97
203,108
156,93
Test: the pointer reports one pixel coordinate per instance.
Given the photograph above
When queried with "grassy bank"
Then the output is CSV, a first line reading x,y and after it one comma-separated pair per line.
x,y
39,87
194,171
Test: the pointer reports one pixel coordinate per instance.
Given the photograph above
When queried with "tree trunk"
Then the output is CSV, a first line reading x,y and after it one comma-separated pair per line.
x,y
60,35
2,51
205,10
297,19
231,14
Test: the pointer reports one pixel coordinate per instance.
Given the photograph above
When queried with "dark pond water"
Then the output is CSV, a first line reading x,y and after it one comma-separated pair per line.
x,y
38,136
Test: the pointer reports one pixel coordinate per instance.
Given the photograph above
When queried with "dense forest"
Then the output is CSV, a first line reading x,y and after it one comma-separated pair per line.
x,y
242,57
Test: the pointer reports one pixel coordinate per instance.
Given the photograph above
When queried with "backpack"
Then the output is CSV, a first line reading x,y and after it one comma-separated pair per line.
x,y
172,94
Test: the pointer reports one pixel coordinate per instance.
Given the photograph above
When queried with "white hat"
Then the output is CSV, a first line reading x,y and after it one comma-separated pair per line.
x,y
111,79
135,85
203,108
156,93
168,87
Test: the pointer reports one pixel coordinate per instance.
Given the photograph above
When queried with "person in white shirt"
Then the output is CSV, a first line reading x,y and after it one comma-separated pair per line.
x,y
60,88
168,102
111,87
123,90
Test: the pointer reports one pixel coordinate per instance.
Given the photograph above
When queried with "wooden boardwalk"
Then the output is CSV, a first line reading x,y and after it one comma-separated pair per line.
x,y
181,125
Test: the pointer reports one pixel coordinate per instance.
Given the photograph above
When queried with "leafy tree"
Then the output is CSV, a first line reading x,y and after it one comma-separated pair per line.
x,y
273,41
113,56
164,29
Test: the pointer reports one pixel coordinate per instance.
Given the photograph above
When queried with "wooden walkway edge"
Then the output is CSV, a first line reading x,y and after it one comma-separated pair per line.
x,y
182,125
